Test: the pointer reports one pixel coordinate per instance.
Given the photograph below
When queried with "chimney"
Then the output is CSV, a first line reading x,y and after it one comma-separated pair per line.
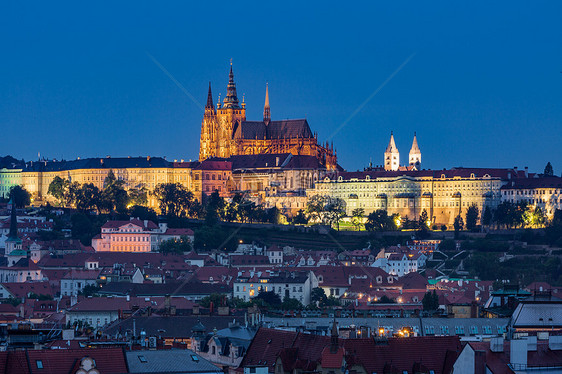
x,y
555,342
276,161
496,344
526,172
532,343
518,354
479,362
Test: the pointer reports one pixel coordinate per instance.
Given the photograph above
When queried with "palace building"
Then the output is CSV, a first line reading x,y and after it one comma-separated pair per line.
x,y
225,132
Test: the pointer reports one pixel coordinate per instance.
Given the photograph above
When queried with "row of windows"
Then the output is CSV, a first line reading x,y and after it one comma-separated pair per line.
x,y
129,238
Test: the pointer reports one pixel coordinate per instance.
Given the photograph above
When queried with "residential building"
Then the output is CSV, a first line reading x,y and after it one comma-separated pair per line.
x,y
75,281
542,192
524,355
287,284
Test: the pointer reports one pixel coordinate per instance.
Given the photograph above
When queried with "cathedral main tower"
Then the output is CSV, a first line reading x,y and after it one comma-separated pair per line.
x,y
218,124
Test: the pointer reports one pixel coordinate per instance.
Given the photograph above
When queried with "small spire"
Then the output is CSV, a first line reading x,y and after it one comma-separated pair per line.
x,y
209,99
266,108
391,144
231,99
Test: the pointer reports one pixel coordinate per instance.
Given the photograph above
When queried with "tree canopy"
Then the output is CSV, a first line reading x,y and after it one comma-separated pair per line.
x,y
20,196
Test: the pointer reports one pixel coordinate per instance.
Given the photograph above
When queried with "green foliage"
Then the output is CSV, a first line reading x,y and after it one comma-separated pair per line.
x,y
534,217
175,246
20,196
291,304
143,213
447,245
521,269
430,301
84,226
548,170
58,188
268,299
315,208
357,217
49,235
472,217
175,200
88,197
379,220
423,220
386,300
214,237
218,299
300,218
487,216
90,290
40,297
215,209
334,211
458,225
510,215
113,196
12,301
137,196
317,295
485,245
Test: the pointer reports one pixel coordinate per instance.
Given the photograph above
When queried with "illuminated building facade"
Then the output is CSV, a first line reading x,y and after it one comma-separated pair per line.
x,y
443,194
8,179
542,192
225,132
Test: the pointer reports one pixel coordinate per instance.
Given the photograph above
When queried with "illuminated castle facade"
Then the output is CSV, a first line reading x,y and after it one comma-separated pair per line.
x,y
225,132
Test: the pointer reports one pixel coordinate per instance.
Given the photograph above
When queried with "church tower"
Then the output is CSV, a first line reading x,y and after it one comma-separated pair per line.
x,y
415,154
208,127
391,155
266,108
219,123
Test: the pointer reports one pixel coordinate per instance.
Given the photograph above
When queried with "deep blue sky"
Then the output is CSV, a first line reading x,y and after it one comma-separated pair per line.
x,y
484,87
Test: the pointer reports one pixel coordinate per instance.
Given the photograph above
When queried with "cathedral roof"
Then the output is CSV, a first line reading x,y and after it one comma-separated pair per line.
x,y
291,128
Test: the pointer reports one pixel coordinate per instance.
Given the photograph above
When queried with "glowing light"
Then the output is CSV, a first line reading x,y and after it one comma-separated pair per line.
x,y
381,331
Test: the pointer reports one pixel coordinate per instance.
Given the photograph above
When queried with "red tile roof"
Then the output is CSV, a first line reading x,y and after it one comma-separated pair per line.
x,y
21,290
306,349
498,361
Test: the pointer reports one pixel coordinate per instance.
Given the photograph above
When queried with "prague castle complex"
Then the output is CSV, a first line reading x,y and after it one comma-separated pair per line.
x,y
225,132
282,164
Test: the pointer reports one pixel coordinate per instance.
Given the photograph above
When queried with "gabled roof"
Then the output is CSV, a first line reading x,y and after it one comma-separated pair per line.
x,y
291,128
55,361
304,348
168,361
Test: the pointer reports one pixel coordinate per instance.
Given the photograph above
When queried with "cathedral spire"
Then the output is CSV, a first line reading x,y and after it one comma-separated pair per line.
x,y
231,99
209,99
415,153
266,108
391,155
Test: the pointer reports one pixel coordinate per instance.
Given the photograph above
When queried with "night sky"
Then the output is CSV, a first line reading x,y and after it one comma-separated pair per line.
x,y
481,83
